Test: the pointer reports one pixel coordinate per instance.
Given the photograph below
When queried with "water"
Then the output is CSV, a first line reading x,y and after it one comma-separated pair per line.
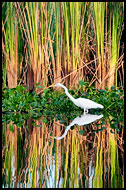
x,y
88,153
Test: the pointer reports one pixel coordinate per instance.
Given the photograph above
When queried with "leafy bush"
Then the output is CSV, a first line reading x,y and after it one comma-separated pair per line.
x,y
17,101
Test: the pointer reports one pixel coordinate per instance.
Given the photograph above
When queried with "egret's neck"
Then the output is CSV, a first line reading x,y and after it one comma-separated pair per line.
x,y
67,93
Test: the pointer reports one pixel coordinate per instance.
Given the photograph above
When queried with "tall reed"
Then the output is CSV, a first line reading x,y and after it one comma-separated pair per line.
x,y
53,41
108,34
116,29
10,35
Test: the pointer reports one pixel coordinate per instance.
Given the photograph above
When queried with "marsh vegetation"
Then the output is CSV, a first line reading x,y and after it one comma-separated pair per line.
x,y
49,42
78,44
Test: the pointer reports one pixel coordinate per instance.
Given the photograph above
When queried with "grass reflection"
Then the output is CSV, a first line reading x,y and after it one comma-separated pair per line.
x,y
92,158
98,180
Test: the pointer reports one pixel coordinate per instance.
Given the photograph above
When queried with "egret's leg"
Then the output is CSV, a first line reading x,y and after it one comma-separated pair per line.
x,y
86,110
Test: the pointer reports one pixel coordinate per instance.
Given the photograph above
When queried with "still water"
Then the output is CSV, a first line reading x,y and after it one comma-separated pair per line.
x,y
84,152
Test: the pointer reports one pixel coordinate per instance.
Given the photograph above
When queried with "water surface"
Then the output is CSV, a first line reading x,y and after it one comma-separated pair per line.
x,y
87,152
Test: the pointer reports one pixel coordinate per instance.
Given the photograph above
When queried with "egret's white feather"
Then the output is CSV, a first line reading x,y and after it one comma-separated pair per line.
x,y
81,102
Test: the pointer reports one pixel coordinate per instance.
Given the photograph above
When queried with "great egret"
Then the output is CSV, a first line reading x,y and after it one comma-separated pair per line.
x,y
84,119
81,102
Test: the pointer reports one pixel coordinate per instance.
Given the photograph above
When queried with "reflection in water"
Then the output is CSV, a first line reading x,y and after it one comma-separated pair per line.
x,y
31,159
84,119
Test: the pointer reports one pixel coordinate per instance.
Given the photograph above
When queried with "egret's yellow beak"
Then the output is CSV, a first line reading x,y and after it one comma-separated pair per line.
x,y
54,86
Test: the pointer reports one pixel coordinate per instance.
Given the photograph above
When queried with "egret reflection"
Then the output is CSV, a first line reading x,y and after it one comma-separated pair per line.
x,y
84,119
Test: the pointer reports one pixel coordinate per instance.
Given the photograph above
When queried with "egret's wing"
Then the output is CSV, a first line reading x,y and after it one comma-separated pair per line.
x,y
86,103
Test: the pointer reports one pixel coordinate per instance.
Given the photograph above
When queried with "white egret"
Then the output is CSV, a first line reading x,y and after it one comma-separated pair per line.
x,y
81,102
84,119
